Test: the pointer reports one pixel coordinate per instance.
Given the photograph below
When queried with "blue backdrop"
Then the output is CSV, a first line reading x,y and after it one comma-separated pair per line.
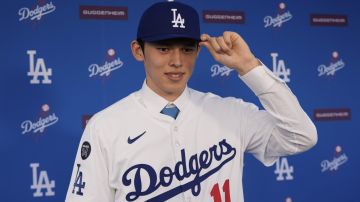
x,y
62,61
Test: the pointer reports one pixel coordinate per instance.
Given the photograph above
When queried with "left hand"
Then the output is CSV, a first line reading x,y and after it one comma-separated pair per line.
x,y
231,50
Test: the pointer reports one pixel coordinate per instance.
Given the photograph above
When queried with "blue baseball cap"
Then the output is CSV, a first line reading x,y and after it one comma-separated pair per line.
x,y
167,20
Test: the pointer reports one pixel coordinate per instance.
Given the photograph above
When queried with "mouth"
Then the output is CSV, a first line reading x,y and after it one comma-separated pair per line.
x,y
175,76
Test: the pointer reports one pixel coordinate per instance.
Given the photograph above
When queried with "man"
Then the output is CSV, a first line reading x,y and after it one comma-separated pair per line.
x,y
168,142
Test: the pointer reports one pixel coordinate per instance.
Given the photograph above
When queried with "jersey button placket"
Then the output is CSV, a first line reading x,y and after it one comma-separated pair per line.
x,y
176,138
177,144
176,141
175,130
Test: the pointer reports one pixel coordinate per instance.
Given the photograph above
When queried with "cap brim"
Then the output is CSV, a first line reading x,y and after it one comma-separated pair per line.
x,y
169,36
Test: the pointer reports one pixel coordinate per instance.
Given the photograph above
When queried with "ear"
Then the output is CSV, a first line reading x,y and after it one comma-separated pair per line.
x,y
136,51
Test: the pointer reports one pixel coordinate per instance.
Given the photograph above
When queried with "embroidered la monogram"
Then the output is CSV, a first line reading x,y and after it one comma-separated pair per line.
x,y
177,19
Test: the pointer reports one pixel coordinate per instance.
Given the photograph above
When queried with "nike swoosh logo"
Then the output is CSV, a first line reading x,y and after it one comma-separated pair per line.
x,y
132,140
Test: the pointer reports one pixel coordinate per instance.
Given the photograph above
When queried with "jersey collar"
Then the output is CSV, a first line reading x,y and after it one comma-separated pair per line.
x,y
156,103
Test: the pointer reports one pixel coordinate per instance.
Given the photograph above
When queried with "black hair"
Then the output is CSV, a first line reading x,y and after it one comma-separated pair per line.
x,y
141,44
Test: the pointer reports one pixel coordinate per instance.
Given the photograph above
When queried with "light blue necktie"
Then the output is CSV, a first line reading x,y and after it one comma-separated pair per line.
x,y
170,110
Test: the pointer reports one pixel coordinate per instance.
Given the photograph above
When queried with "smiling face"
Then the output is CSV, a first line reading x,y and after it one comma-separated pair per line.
x,y
168,65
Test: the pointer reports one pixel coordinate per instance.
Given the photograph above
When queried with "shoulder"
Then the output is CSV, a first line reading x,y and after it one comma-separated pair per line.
x,y
211,101
115,113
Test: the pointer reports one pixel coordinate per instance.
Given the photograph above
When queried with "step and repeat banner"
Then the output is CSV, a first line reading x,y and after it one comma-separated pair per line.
x,y
63,61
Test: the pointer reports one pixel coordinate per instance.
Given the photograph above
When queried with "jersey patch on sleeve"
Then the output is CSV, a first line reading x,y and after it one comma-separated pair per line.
x,y
85,150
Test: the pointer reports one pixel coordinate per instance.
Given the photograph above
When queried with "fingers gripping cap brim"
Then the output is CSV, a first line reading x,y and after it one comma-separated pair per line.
x,y
167,20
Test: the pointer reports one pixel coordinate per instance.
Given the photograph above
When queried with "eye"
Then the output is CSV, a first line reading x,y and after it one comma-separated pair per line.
x,y
188,50
163,49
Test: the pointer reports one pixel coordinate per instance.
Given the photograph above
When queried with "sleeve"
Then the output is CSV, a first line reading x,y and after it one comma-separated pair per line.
x,y
283,128
90,176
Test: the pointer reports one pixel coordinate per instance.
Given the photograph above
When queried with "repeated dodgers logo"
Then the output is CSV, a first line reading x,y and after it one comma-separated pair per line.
x,y
45,120
36,13
277,21
334,164
41,183
279,68
335,65
283,170
218,70
111,64
37,68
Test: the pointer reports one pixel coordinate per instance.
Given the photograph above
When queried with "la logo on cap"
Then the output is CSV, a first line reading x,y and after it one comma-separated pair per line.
x,y
177,19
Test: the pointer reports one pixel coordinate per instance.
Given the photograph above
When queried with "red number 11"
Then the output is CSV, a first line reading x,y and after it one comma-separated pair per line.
x,y
215,192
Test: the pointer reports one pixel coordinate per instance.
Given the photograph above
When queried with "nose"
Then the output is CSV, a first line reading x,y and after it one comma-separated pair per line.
x,y
175,60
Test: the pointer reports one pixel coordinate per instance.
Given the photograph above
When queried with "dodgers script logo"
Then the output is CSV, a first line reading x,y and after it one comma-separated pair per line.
x,y
281,18
220,70
177,19
110,65
145,179
44,121
37,13
333,165
38,69
41,182
335,65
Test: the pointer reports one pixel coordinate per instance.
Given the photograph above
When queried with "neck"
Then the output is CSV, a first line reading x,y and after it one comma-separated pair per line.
x,y
170,98
171,95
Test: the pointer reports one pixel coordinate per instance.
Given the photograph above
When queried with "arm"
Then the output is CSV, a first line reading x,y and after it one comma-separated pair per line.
x,y
284,128
291,130
89,180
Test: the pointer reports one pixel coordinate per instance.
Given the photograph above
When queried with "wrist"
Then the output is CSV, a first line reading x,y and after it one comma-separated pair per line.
x,y
248,66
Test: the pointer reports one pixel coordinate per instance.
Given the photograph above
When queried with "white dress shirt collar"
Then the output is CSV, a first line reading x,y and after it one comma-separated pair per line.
x,y
156,103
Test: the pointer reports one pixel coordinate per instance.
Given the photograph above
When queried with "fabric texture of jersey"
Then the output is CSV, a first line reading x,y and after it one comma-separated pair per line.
x,y
139,154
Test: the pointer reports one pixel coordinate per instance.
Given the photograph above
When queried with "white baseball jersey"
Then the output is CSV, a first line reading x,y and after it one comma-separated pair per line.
x,y
132,152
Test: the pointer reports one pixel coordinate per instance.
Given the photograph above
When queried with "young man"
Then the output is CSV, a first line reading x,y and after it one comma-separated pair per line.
x,y
168,142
